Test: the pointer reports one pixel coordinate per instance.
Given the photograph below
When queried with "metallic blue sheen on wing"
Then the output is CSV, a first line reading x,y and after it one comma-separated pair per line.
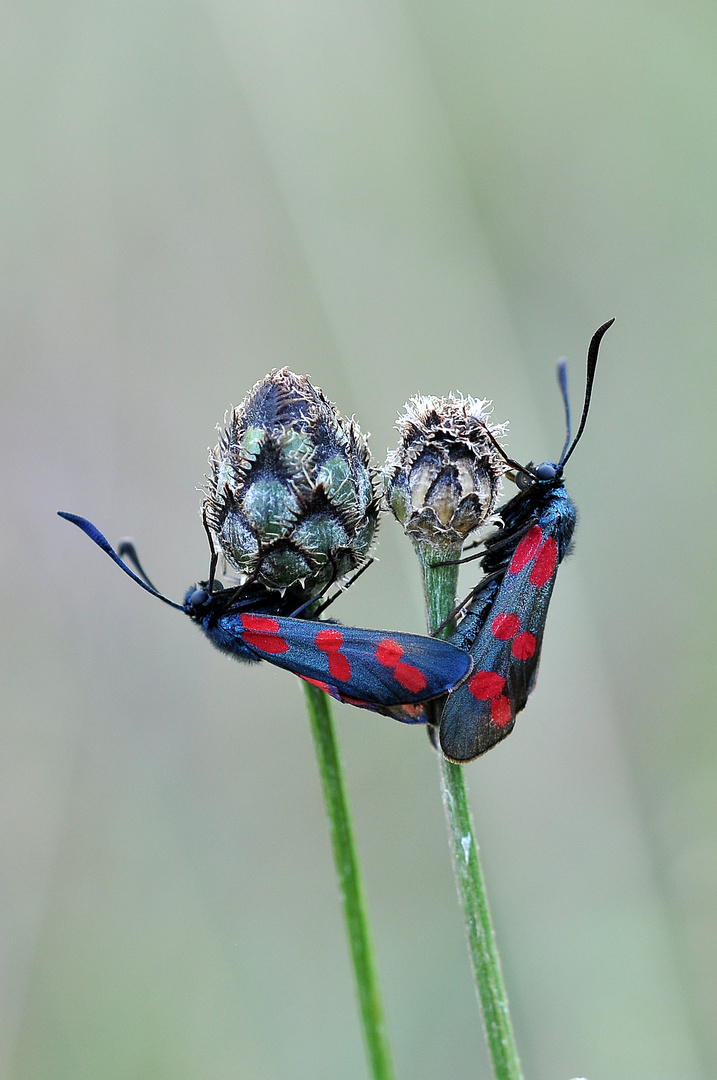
x,y
504,622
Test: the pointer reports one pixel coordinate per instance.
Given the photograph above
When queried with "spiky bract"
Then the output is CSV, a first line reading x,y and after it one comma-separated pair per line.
x,y
291,496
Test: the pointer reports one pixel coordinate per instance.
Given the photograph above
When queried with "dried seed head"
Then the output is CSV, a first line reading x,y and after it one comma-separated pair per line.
x,y
444,479
291,496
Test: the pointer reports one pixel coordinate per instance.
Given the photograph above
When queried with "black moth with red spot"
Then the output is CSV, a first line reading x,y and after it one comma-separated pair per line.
x,y
503,626
504,617
369,668
372,669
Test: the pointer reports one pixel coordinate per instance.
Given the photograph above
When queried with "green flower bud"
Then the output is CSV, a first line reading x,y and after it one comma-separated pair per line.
x,y
291,495
444,480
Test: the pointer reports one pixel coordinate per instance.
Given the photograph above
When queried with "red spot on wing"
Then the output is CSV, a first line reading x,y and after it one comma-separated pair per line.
x,y
526,549
545,563
489,686
414,711
504,626
335,694
485,685
409,676
330,641
500,711
388,653
507,626
263,623
524,646
321,685
354,701
339,666
262,633
266,642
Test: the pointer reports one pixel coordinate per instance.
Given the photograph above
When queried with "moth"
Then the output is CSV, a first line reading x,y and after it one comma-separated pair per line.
x,y
372,669
503,618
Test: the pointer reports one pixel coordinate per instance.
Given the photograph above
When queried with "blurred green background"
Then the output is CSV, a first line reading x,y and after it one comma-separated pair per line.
x,y
393,198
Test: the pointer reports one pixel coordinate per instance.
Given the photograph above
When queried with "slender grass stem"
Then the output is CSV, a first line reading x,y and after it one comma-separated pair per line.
x,y
440,591
350,886
479,926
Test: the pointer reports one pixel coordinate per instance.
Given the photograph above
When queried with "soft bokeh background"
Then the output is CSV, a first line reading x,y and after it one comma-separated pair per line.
x,y
392,197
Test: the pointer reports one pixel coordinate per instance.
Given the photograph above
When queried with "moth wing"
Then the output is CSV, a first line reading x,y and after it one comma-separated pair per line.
x,y
368,668
506,651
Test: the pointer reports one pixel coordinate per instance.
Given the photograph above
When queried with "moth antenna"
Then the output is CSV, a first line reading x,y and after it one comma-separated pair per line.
x,y
593,350
562,372
127,550
102,542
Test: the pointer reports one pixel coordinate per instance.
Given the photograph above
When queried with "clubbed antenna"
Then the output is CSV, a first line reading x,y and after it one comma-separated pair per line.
x,y
102,542
593,350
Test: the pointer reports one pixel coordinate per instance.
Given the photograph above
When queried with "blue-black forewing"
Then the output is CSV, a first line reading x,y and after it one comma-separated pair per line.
x,y
505,636
370,668
470,625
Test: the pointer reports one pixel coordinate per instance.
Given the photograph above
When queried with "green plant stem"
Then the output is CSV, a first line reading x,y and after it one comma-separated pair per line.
x,y
350,886
440,590
439,567
479,926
